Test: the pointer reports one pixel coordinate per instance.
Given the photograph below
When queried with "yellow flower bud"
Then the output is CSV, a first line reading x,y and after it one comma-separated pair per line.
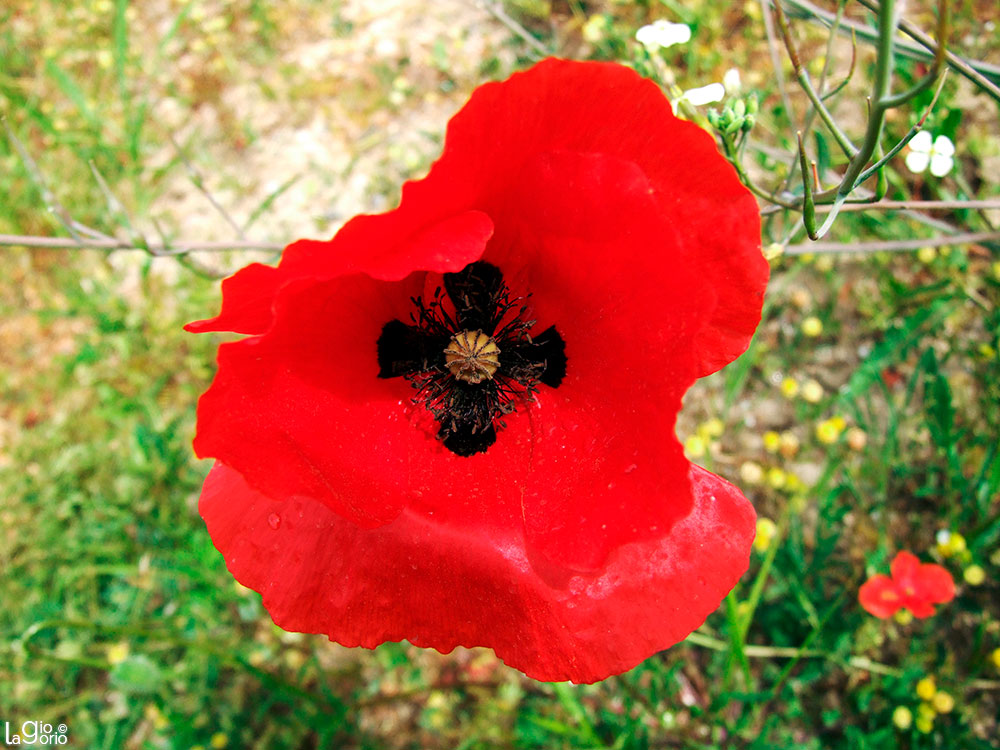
x,y
766,529
924,725
926,711
789,444
943,703
974,575
812,326
695,446
857,439
772,441
926,688
219,740
812,392
926,254
712,428
776,477
117,652
790,387
751,472
902,717
995,657
827,432
903,616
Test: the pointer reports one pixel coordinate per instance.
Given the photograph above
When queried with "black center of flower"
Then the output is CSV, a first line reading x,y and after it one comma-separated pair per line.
x,y
471,368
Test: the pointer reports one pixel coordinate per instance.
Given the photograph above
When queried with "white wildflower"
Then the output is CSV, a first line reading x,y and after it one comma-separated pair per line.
x,y
713,92
663,34
731,80
937,154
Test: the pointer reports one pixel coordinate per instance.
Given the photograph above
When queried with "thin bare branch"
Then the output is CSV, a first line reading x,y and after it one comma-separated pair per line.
x,y
912,243
498,12
164,249
199,182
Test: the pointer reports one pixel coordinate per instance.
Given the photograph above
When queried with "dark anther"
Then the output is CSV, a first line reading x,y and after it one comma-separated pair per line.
x,y
472,361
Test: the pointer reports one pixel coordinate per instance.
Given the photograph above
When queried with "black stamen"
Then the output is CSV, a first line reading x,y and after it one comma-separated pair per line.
x,y
470,413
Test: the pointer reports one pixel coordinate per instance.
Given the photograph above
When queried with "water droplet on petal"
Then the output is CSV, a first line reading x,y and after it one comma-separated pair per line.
x,y
274,520
631,468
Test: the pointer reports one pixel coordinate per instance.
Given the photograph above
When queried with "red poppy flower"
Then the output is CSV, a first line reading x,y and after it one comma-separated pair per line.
x,y
453,423
914,586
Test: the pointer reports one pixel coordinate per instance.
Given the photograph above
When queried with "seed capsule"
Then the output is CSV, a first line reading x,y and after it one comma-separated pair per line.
x,y
472,356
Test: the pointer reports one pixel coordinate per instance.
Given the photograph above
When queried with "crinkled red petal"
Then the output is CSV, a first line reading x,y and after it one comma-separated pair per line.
x,y
935,584
444,583
389,246
582,246
604,108
904,567
879,596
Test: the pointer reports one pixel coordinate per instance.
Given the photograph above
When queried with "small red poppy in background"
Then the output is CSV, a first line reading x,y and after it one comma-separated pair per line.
x,y
914,586
453,423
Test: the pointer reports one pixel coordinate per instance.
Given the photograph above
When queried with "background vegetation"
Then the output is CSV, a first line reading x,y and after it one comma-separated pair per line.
x,y
863,419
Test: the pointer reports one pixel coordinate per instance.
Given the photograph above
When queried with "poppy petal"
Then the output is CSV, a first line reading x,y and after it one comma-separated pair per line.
x,y
904,568
879,596
300,410
628,364
935,584
387,246
440,585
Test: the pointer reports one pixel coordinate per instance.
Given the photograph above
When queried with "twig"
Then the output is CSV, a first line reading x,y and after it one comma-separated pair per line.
x,y
36,176
164,249
497,11
199,182
917,205
912,243
977,71
772,46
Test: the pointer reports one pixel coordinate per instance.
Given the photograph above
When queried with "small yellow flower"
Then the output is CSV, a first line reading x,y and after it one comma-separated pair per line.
x,y
801,298
924,725
776,477
995,657
751,472
824,262
789,444
827,432
593,30
903,616
772,441
774,250
926,688
695,446
996,269
950,543
839,422
219,740
857,439
766,529
902,717
117,652
943,703
926,254
987,352
712,428
974,575
153,713
812,326
926,711
792,482
790,387
812,391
